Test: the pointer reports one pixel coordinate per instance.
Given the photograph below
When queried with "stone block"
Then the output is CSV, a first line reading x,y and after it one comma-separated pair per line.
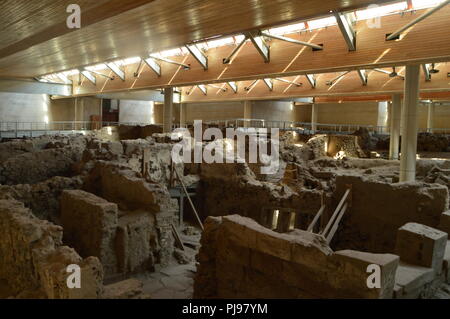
x,y
410,279
90,225
447,262
126,289
421,245
134,235
353,269
444,224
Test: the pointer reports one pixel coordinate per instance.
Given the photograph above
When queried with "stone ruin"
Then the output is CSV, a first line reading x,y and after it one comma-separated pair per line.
x,y
109,203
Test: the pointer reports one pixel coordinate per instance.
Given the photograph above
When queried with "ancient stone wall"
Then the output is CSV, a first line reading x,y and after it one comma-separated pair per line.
x,y
147,206
241,259
42,198
379,209
90,225
34,261
233,189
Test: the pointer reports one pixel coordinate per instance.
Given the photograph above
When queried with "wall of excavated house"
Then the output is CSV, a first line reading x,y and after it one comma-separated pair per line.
x,y
241,259
233,189
34,261
142,229
35,160
379,209
42,198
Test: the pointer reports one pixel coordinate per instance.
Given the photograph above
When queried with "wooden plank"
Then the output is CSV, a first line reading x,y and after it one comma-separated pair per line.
x,y
177,237
316,218
336,224
336,212
189,199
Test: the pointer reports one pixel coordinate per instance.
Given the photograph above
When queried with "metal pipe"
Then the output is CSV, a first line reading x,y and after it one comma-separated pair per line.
x,y
100,74
227,60
185,66
311,45
387,72
416,20
287,81
138,68
251,85
337,78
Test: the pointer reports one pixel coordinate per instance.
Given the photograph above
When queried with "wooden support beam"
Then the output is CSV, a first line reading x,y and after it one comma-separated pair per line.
x,y
316,218
189,199
336,212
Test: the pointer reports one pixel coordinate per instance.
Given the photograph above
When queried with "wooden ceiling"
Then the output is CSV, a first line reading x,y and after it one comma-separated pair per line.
x,y
34,38
422,44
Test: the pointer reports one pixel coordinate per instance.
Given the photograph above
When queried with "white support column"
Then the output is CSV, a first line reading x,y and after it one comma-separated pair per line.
x,y
168,110
183,110
430,118
314,111
395,117
409,128
382,116
247,112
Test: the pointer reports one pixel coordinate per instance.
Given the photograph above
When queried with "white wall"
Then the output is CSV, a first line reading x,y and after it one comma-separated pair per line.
x,y
214,111
18,107
136,111
273,110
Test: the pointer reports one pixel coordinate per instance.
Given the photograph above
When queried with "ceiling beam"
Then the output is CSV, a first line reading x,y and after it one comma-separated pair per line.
x,y
233,86
88,75
113,67
345,25
426,71
311,79
261,46
363,76
198,55
183,65
153,65
269,83
286,39
394,35
203,88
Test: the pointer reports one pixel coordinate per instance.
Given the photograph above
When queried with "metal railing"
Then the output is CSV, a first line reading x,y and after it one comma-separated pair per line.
x,y
34,129
307,127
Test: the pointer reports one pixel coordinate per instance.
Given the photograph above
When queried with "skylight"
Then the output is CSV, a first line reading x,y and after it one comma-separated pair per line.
x,y
421,4
97,67
378,11
128,61
292,28
321,23
174,52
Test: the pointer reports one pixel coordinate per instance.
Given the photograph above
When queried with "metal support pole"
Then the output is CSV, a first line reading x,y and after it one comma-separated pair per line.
x,y
430,117
409,127
277,37
314,110
418,19
236,49
168,109
396,112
